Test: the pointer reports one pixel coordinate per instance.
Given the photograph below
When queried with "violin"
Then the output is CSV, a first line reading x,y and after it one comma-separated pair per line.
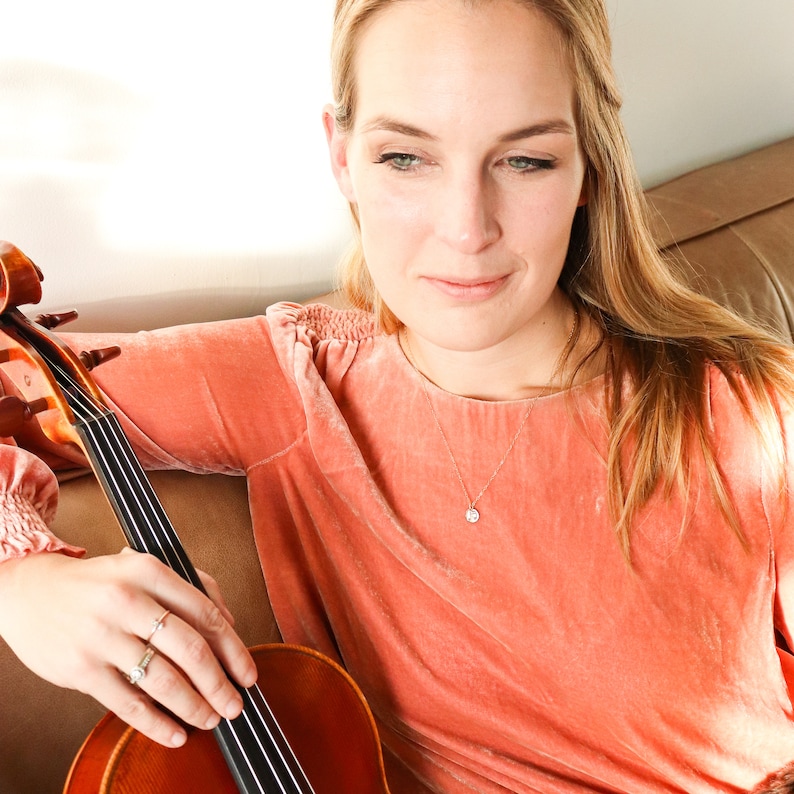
x,y
305,727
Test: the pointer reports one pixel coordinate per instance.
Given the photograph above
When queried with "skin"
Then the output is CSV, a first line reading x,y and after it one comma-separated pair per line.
x,y
466,169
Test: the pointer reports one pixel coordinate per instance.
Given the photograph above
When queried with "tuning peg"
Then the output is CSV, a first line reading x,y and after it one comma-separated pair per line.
x,y
93,358
50,321
15,412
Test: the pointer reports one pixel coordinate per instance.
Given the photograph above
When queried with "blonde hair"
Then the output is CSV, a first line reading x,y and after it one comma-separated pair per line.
x,y
658,333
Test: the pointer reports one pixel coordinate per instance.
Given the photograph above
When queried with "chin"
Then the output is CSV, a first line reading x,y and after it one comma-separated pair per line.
x,y
462,336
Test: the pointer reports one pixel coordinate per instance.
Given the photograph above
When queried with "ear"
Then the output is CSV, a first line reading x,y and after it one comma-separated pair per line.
x,y
337,148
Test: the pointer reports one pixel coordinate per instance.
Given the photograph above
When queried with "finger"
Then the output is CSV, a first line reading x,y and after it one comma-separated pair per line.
x,y
214,592
170,591
202,644
132,705
154,674
187,651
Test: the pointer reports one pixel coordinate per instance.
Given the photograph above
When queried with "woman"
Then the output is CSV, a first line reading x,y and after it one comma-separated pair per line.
x,y
518,492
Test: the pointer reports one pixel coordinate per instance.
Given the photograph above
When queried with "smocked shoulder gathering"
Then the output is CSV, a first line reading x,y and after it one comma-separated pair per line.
x,y
324,323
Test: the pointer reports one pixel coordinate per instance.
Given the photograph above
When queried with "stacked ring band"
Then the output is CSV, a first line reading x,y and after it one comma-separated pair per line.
x,y
138,673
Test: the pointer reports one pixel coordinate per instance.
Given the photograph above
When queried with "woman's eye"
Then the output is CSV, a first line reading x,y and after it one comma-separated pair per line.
x,y
399,160
529,164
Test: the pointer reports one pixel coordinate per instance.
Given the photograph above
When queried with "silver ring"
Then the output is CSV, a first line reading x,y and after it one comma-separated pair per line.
x,y
138,673
158,624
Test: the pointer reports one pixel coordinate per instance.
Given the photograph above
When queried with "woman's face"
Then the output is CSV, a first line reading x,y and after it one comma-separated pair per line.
x,y
465,167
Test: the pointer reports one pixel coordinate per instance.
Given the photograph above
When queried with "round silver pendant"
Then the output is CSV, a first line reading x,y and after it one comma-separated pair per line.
x,y
472,515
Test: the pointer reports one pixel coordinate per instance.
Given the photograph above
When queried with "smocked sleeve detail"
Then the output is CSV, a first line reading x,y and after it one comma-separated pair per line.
x,y
343,324
28,499
319,342
323,323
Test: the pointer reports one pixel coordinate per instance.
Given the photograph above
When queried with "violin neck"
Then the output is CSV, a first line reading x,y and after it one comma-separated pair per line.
x,y
138,510
253,744
256,752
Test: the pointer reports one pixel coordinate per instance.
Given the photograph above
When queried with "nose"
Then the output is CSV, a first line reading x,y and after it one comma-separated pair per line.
x,y
467,218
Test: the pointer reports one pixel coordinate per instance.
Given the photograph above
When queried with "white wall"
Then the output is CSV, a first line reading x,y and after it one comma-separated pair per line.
x,y
703,80
163,163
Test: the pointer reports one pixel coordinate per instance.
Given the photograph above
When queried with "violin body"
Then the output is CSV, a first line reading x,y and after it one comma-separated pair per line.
x,y
318,706
305,726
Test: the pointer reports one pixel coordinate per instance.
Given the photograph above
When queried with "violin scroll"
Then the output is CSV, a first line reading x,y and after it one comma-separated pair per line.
x,y
40,371
20,279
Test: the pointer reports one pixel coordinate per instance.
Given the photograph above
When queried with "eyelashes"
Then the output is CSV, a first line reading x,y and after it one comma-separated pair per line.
x,y
521,163
405,162
399,161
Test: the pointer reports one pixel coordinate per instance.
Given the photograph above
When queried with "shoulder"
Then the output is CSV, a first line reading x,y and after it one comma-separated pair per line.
x,y
316,339
751,426
729,390
731,402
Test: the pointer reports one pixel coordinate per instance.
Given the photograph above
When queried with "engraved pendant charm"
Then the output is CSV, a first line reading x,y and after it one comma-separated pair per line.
x,y
472,515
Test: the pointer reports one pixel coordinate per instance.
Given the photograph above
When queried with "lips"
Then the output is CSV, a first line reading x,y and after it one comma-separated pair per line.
x,y
467,289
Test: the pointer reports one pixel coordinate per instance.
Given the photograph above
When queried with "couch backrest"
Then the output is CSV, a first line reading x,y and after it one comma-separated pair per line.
x,y
733,226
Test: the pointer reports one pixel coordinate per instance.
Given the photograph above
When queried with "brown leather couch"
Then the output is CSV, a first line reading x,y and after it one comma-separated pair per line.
x,y
732,222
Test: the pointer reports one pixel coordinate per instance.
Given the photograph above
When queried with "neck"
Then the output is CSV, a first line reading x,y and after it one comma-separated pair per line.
x,y
517,368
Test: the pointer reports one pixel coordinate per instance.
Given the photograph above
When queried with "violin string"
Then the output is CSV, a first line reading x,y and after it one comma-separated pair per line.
x,y
95,416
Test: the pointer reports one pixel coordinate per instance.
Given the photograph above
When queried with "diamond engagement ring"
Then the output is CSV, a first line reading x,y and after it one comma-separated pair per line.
x,y
138,673
158,624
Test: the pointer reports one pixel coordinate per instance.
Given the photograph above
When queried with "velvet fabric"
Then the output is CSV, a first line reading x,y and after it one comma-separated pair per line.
x,y
519,654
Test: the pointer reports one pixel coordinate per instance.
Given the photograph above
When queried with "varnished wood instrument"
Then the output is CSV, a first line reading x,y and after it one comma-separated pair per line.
x,y
305,726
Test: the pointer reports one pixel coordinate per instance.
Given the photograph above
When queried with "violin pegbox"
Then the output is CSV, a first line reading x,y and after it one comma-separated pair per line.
x,y
37,367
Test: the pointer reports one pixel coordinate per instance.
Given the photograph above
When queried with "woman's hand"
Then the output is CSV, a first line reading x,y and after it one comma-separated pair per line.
x,y
85,624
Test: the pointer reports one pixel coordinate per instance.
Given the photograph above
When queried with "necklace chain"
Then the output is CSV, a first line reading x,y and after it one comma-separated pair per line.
x,y
472,514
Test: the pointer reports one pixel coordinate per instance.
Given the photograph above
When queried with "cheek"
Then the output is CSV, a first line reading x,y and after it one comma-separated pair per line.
x,y
391,218
393,237
543,224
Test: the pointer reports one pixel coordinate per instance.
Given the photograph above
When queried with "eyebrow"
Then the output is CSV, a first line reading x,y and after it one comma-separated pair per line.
x,y
388,124
555,126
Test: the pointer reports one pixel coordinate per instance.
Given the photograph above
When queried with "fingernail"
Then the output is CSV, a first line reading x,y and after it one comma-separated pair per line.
x,y
251,676
233,708
178,738
212,721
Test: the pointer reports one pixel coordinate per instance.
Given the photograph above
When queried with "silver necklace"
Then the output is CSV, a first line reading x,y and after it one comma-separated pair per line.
x,y
472,514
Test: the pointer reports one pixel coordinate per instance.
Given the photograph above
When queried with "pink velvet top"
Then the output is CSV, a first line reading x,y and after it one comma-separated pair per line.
x,y
518,654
